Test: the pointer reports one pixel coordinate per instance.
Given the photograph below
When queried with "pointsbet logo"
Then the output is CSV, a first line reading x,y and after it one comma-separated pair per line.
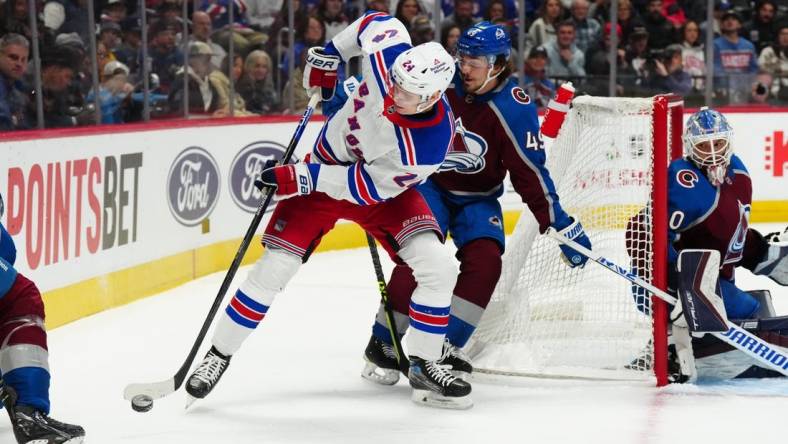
x,y
776,153
193,186
75,207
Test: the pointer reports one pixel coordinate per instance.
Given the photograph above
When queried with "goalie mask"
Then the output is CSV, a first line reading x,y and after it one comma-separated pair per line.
x,y
707,142
423,70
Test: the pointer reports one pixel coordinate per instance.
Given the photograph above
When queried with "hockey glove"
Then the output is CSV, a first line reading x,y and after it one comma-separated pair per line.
x,y
774,263
771,237
292,179
320,72
574,231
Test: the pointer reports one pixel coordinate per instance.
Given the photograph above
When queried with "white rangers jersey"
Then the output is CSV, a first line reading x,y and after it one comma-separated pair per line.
x,y
367,153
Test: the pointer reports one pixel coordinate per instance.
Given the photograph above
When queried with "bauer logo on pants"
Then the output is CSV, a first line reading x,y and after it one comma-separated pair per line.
x,y
246,167
193,186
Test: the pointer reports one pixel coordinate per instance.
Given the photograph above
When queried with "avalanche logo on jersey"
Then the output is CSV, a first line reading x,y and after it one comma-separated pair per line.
x,y
687,178
520,96
466,155
736,245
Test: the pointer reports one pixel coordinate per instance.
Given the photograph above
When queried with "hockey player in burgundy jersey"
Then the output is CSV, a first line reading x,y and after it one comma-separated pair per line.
x,y
709,199
24,367
392,133
497,131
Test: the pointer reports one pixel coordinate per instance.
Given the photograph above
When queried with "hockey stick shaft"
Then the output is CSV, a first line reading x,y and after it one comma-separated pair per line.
x,y
384,298
164,388
769,355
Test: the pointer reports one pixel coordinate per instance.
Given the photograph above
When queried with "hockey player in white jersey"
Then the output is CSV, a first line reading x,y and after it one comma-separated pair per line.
x,y
390,135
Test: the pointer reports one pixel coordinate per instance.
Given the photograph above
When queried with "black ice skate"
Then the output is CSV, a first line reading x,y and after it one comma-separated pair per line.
x,y
33,427
381,365
459,363
207,375
434,385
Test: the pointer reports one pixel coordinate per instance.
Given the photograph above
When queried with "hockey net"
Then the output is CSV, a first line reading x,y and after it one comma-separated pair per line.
x,y
545,319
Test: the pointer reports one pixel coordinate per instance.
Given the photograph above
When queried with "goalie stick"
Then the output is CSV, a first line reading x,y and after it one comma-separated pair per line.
x,y
766,354
161,389
404,364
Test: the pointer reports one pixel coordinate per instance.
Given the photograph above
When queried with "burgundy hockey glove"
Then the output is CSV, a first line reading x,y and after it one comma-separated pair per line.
x,y
321,72
292,179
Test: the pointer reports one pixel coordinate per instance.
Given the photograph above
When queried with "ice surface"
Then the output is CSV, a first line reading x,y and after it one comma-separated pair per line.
x,y
296,380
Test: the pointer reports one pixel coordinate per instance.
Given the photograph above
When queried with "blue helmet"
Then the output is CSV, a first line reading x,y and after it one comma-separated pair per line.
x,y
485,39
708,125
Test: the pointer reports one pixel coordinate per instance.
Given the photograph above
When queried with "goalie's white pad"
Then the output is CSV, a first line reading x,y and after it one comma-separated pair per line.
x,y
774,264
704,310
685,355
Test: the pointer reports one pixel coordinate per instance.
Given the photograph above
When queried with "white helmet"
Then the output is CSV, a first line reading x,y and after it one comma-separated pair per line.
x,y
423,69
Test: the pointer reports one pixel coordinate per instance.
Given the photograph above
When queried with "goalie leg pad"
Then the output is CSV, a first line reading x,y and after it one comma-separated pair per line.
x,y
698,276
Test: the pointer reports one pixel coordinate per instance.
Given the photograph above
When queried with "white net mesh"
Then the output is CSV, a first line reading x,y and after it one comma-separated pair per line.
x,y
548,319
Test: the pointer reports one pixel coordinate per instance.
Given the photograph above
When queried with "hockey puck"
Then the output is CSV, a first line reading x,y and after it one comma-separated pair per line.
x,y
142,403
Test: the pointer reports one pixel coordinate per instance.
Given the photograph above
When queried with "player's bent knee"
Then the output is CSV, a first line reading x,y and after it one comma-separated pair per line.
x,y
271,273
432,264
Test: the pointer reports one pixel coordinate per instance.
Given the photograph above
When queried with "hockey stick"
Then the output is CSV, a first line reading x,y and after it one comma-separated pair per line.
x,y
769,355
161,389
384,297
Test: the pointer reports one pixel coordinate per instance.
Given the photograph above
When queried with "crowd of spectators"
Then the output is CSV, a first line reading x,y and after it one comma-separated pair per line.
x,y
660,49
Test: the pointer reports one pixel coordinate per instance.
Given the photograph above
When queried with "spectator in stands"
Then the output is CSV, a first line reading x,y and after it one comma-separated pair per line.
x,y
673,11
334,19
760,30
406,11
462,15
201,32
131,44
203,97
668,73
543,29
114,92
244,37
164,56
310,33
221,83
65,16
110,35
536,83
449,37
300,16
14,18
421,30
114,11
588,30
63,104
660,30
14,52
260,14
496,9
735,61
628,18
598,66
256,86
774,61
693,53
378,5
720,7
564,59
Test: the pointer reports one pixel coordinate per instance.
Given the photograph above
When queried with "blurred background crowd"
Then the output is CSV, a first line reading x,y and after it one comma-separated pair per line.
x,y
66,63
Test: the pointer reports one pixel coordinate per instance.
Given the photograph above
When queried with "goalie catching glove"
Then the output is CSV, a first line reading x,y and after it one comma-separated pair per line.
x,y
289,180
574,231
320,72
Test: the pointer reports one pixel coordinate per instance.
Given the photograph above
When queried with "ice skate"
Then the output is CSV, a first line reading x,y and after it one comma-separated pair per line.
x,y
381,365
459,363
435,386
34,427
206,376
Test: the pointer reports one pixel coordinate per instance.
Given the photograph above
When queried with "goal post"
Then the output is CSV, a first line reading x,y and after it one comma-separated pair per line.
x,y
609,165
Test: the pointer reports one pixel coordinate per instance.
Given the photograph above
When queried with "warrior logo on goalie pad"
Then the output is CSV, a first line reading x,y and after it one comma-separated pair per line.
x,y
466,155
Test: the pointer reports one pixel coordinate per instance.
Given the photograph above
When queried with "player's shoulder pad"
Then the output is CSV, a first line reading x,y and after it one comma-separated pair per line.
x,y
689,191
516,108
737,166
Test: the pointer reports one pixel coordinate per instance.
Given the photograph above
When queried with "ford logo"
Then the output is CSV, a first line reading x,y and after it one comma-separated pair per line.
x,y
193,186
246,167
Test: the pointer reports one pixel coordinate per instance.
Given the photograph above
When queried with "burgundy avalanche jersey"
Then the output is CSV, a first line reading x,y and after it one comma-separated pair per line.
x,y
709,217
499,132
